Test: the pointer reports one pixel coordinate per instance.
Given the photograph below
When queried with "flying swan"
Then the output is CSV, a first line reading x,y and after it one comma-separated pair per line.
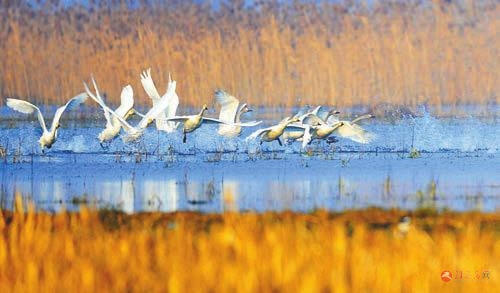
x,y
274,132
230,112
133,132
193,122
170,98
48,136
125,110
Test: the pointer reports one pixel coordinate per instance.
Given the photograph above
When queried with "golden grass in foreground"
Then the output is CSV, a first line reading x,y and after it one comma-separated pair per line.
x,y
189,252
322,52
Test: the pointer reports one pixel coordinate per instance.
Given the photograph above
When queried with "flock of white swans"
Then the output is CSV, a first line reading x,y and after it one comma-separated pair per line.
x,y
307,125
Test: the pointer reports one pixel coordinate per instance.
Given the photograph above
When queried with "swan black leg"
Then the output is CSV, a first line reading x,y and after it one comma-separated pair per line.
x,y
184,139
279,140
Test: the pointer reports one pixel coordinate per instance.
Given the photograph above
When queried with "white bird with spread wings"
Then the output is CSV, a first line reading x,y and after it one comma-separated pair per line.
x,y
169,99
113,125
230,112
49,136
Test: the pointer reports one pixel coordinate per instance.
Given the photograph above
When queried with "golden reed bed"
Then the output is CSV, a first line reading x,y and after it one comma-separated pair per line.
x,y
360,251
438,52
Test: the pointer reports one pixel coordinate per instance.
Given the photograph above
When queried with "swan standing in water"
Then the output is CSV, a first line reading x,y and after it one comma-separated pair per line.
x,y
48,136
125,110
193,122
230,112
170,98
274,132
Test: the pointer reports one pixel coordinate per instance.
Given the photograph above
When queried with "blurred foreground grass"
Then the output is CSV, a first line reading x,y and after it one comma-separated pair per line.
x,y
190,252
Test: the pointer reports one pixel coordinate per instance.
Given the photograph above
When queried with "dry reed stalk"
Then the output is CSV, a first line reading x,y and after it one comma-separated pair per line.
x,y
281,55
351,251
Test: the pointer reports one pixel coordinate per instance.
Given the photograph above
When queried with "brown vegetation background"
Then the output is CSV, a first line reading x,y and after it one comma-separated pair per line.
x,y
435,52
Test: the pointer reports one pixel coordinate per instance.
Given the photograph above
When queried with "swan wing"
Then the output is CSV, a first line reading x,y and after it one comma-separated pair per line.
x,y
362,117
180,119
149,86
306,139
229,106
247,124
127,101
215,121
313,120
296,126
258,133
98,96
27,108
157,112
302,111
322,114
172,103
140,114
355,133
70,105
332,119
316,110
126,126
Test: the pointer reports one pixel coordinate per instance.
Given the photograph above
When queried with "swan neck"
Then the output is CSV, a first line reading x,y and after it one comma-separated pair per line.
x,y
238,117
202,111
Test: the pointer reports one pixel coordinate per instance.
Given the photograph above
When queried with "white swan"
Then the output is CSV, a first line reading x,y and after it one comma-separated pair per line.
x,y
352,131
304,115
193,122
133,133
230,112
170,97
48,136
113,125
274,132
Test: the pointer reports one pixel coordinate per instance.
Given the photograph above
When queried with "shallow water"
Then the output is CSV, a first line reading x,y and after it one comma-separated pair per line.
x,y
459,169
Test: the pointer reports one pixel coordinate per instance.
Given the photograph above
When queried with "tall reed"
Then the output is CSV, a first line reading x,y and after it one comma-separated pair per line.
x,y
406,53
188,252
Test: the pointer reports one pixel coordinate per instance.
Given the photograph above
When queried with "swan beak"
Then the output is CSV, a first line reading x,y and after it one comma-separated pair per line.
x,y
334,112
249,110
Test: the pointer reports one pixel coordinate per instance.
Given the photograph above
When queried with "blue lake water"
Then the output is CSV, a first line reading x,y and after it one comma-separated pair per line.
x,y
458,169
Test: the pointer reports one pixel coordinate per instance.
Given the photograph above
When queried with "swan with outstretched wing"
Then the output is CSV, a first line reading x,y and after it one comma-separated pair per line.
x,y
193,122
351,130
274,132
230,112
170,99
125,110
49,136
